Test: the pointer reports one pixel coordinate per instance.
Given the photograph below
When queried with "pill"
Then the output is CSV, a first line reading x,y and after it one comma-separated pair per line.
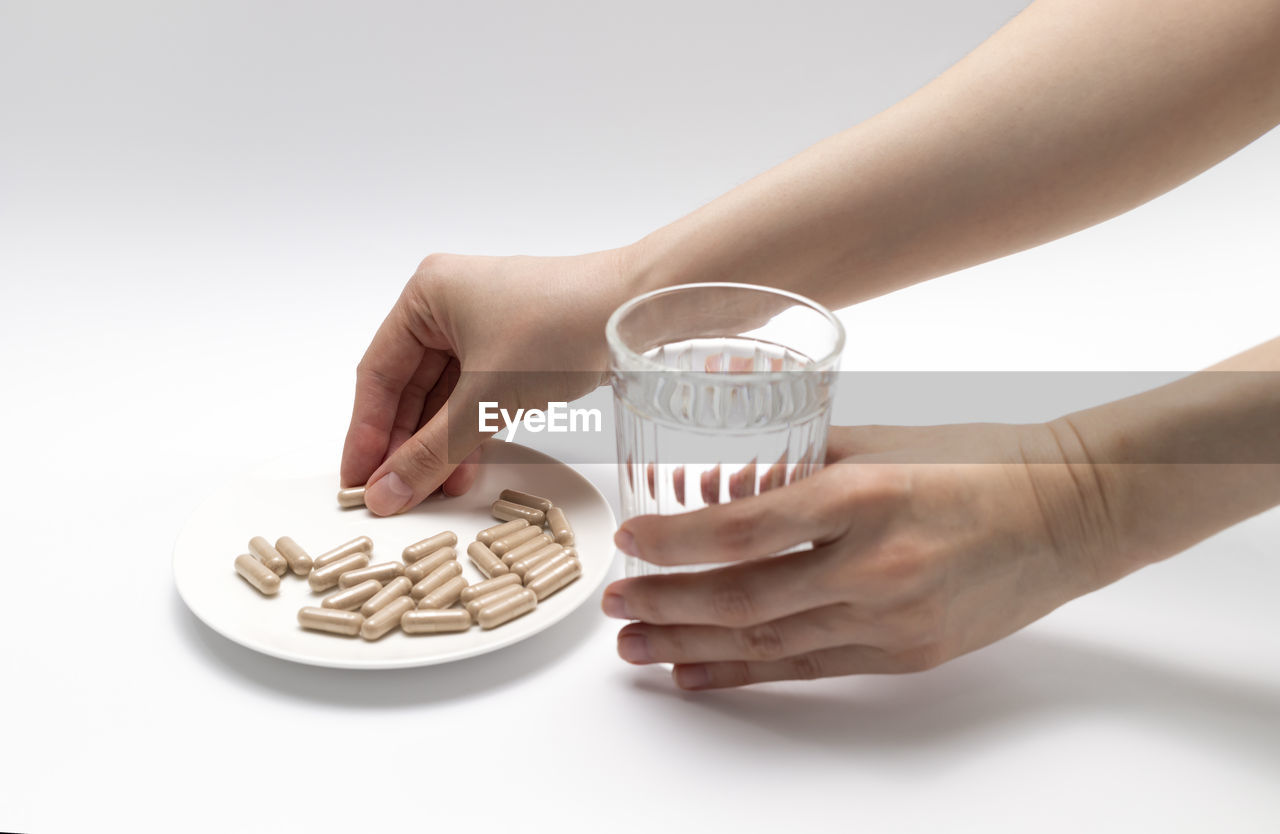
x,y
532,546
351,497
386,619
560,526
383,572
342,551
435,620
436,578
268,555
507,609
551,581
299,560
484,559
353,597
488,586
475,605
322,579
522,566
515,496
490,534
257,574
426,564
332,620
397,587
510,541
444,596
545,567
427,546
508,511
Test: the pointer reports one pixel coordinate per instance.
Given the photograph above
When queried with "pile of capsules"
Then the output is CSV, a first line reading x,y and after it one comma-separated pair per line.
x,y
522,565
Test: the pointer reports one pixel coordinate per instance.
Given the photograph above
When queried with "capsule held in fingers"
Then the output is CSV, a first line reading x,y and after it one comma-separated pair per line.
x,y
484,559
332,620
268,555
490,534
436,578
474,606
299,560
353,597
505,544
356,545
397,587
522,566
349,497
488,586
257,574
507,609
383,572
322,579
560,526
563,574
429,545
419,569
444,596
526,499
545,566
435,620
507,511
532,546
386,619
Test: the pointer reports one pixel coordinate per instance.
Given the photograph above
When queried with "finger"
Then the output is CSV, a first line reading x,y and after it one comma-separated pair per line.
x,y
409,414
734,596
819,628
744,529
823,663
464,477
393,357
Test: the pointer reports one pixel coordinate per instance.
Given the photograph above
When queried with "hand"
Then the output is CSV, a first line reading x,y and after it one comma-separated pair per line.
x,y
914,561
429,365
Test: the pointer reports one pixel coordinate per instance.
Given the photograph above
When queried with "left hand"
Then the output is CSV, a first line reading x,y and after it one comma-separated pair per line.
x,y
916,558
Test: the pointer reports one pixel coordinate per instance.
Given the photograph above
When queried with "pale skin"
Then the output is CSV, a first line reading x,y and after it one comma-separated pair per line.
x,y
1075,111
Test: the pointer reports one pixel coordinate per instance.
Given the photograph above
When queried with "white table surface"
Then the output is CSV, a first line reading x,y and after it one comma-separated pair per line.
x,y
205,212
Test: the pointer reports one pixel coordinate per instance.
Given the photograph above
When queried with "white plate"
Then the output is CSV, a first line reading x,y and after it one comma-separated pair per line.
x,y
295,496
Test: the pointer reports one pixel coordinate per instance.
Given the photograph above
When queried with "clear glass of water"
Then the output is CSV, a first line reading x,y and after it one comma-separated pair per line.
x,y
721,391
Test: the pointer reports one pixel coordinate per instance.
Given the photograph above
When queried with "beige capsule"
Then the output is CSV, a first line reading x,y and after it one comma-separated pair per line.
x,y
427,564
490,534
560,526
322,579
257,574
383,572
484,559
475,605
545,566
563,574
488,586
268,555
429,545
397,587
507,609
342,551
526,499
444,596
436,578
507,511
505,544
386,619
332,620
435,620
532,546
299,560
351,497
353,597
522,566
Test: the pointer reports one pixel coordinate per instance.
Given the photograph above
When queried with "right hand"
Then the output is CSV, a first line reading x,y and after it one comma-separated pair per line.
x,y
459,317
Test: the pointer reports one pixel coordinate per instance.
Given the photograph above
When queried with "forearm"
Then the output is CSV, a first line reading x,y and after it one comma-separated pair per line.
x,y
1074,112
1184,461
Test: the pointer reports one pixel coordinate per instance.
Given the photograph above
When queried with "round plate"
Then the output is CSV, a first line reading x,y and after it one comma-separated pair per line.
x,y
295,496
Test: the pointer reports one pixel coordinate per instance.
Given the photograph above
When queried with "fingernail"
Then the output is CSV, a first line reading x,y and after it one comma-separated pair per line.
x,y
634,648
388,495
626,542
615,606
694,676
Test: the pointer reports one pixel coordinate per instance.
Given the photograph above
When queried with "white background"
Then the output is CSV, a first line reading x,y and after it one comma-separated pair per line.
x,y
206,209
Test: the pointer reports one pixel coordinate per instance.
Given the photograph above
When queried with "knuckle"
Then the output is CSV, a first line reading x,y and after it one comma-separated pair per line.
x,y
432,264
735,532
424,458
732,604
806,667
762,642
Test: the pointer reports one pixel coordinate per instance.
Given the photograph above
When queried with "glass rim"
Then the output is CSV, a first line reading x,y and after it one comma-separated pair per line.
x,y
618,346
